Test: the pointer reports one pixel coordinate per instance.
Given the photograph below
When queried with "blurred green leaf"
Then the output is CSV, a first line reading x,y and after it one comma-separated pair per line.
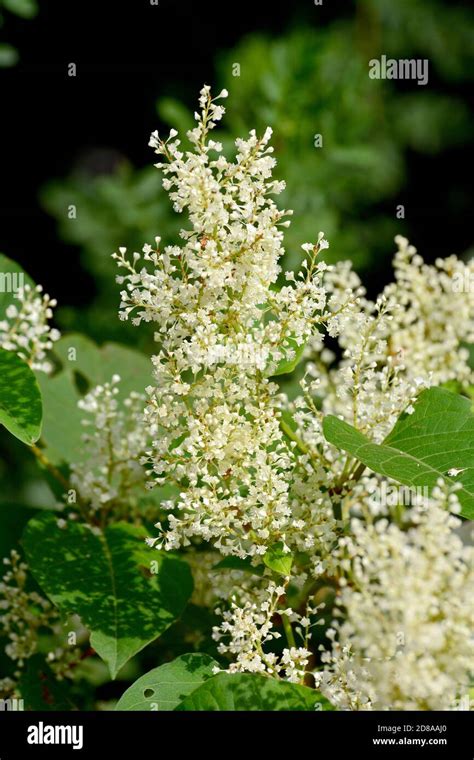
x,y
62,425
98,364
8,55
62,419
176,115
23,8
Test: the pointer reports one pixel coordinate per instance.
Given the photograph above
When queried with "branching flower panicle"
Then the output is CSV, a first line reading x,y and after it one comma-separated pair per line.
x,y
253,468
26,330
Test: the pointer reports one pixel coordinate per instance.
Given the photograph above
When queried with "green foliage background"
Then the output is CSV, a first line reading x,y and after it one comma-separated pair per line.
x,y
306,82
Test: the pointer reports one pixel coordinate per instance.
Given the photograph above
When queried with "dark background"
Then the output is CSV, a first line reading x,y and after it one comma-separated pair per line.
x,y
128,53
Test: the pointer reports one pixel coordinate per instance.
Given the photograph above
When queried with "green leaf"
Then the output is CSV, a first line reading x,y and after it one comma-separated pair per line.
x,y
8,55
164,688
40,689
422,447
286,365
21,408
278,560
470,391
62,419
236,563
173,113
246,691
23,8
99,364
12,277
106,577
62,425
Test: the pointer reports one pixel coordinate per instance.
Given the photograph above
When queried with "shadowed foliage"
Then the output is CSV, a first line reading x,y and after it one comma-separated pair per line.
x,y
104,576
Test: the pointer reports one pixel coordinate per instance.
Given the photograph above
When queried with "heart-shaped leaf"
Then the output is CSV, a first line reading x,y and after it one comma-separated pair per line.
x,y
107,578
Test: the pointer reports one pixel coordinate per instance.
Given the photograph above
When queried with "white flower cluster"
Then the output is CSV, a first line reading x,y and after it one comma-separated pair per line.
x,y
413,336
436,317
249,626
222,329
26,328
405,638
26,616
24,612
109,472
254,469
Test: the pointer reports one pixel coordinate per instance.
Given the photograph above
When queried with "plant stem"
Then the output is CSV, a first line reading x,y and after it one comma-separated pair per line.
x,y
292,435
303,448
57,475
288,631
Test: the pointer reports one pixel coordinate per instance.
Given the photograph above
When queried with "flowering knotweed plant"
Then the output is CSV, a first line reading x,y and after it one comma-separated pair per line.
x,y
258,475
306,453
223,331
